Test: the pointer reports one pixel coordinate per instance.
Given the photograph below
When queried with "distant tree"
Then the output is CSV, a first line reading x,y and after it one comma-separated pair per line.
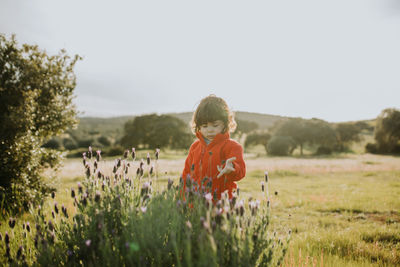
x,y
53,143
69,143
321,133
103,140
348,133
280,145
154,131
296,128
258,139
36,92
244,126
387,131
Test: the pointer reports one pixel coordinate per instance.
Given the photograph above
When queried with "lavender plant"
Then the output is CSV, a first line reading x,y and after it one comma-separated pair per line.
x,y
121,221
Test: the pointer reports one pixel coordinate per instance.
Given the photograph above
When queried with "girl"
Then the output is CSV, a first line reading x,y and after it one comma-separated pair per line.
x,y
214,161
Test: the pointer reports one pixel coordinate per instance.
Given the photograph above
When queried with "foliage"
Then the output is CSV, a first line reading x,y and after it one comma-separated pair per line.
x,y
348,133
257,139
387,131
155,131
53,143
36,92
104,140
244,126
280,145
121,221
313,132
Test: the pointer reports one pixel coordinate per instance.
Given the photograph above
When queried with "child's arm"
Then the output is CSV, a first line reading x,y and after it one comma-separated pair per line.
x,y
235,168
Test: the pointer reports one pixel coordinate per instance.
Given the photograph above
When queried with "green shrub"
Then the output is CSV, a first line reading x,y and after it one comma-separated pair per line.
x,y
53,143
280,145
36,92
70,143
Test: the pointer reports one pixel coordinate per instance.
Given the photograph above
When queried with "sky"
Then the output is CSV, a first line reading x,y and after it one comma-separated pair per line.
x,y
336,60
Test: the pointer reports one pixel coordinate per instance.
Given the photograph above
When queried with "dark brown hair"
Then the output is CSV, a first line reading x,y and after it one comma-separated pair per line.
x,y
210,109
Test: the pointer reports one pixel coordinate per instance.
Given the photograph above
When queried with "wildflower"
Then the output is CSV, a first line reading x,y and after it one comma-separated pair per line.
x,y
53,194
170,182
38,228
64,211
90,152
88,242
11,222
72,192
28,227
8,251
19,252
95,165
143,209
97,197
51,226
138,171
70,254
266,177
36,240
141,172
98,155
56,207
151,169
276,193
157,153
7,238
145,188
141,164
262,186
87,171
53,215
103,185
126,154
80,189
84,201
148,158
133,153
189,224
118,163
99,174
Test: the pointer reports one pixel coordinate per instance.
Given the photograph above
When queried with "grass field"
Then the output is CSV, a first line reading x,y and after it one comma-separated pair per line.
x,y
342,211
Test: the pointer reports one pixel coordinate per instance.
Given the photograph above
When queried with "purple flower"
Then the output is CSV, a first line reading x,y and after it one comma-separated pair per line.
x,y
11,222
157,153
133,153
98,155
88,242
148,158
53,194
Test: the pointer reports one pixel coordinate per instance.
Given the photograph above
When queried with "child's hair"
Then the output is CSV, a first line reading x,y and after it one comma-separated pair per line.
x,y
210,109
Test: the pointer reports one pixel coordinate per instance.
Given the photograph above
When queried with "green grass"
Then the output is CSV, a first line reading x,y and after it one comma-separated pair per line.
x,y
339,218
351,216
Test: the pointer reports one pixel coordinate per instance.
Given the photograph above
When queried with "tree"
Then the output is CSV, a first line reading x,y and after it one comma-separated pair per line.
x,y
296,128
387,131
347,133
244,126
258,139
36,92
156,131
280,145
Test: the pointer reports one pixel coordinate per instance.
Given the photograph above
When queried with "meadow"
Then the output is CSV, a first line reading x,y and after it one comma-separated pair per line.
x,y
342,210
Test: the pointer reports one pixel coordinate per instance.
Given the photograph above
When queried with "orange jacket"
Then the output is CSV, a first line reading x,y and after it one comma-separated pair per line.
x,y
202,160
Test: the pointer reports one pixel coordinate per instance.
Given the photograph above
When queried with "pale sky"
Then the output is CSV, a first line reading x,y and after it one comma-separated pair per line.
x,y
336,60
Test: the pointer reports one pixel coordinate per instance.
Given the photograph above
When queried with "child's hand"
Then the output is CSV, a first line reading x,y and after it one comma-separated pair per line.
x,y
228,167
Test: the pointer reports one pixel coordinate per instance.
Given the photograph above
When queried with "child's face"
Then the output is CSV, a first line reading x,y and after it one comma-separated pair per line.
x,y
211,129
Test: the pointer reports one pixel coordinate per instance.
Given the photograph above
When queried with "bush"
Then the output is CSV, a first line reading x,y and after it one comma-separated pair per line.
x,y
123,222
84,142
53,143
371,148
280,145
70,144
36,92
104,141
